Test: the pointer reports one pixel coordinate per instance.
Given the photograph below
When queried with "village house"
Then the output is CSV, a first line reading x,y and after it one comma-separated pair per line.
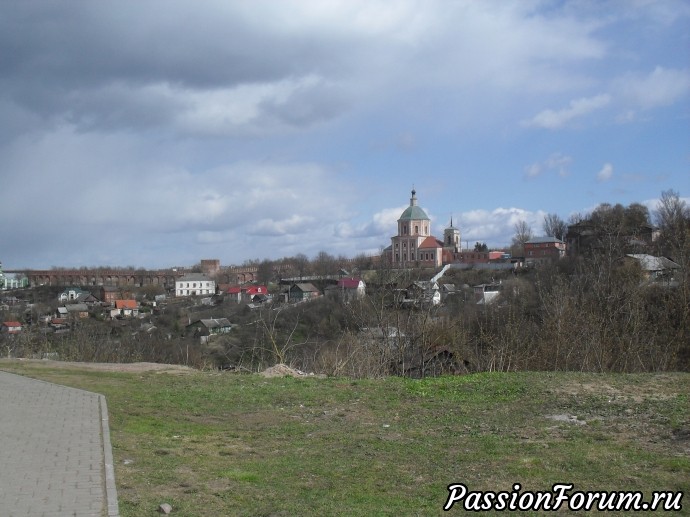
x,y
125,309
70,294
73,311
302,292
544,249
655,269
447,290
59,325
206,328
11,327
347,289
585,236
485,294
210,326
195,284
246,294
232,293
108,294
254,293
84,297
423,293
390,338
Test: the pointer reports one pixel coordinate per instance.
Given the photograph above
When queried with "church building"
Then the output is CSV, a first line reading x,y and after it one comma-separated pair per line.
x,y
414,246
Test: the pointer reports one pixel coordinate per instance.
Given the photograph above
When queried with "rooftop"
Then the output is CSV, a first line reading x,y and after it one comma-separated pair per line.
x,y
413,212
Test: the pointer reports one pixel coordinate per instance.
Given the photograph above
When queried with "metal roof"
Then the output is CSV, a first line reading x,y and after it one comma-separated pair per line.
x,y
414,213
651,263
543,240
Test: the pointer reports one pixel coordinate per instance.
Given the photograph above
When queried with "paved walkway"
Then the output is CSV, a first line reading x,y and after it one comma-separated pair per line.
x,y
55,455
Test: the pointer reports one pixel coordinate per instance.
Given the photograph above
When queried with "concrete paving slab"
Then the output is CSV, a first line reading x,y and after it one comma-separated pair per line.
x,y
55,452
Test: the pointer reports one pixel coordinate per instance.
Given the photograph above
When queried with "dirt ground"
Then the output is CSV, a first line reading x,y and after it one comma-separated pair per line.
x,y
107,367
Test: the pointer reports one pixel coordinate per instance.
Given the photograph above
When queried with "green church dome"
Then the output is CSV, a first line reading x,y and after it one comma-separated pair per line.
x,y
413,212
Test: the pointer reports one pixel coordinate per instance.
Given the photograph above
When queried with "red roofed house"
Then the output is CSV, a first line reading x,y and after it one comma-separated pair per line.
x,y
125,308
11,327
231,292
347,289
109,294
249,292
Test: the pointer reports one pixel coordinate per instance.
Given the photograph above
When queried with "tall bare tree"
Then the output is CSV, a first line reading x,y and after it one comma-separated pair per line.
x,y
672,216
554,226
523,233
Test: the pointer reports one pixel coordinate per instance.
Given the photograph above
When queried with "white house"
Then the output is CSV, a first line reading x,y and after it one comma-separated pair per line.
x,y
70,294
423,293
195,284
347,289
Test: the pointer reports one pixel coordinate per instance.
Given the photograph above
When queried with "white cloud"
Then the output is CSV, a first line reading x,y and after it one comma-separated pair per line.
x,y
661,87
497,227
555,119
606,173
383,224
556,162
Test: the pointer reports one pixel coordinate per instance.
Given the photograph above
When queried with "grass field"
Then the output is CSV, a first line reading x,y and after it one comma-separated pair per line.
x,y
229,444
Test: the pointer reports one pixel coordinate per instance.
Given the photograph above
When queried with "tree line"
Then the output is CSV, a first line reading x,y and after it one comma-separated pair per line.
x,y
595,312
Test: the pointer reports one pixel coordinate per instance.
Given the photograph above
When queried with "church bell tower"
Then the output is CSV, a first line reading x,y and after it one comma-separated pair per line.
x,y
451,238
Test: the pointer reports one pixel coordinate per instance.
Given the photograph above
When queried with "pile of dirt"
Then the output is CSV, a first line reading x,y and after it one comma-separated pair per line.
x,y
282,370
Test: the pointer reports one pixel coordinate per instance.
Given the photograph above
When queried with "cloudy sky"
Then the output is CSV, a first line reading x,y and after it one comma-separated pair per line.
x,y
159,133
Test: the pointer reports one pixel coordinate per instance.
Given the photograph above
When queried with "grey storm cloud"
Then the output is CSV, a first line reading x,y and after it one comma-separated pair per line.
x,y
115,65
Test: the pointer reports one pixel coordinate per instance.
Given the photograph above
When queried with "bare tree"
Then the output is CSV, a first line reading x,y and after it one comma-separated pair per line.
x,y
671,210
523,233
302,264
672,216
265,271
324,264
554,226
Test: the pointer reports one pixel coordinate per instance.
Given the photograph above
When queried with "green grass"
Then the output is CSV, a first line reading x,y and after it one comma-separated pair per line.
x,y
227,444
